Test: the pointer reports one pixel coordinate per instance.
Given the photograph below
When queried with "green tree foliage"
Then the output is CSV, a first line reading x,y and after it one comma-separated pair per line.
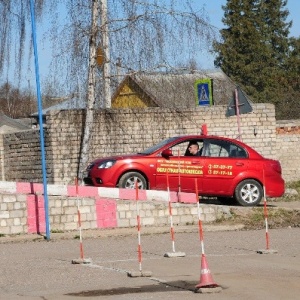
x,y
293,64
257,53
289,107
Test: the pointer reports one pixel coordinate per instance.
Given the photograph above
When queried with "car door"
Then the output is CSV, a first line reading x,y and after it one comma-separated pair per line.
x,y
180,170
224,161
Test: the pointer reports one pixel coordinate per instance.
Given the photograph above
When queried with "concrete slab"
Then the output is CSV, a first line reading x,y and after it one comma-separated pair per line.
x,y
267,251
82,261
174,254
208,290
139,274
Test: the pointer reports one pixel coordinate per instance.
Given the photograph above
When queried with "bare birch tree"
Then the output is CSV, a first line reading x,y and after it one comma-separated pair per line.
x,y
135,35
14,32
91,88
106,51
144,36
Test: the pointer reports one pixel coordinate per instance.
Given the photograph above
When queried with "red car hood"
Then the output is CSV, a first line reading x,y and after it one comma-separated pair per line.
x,y
118,157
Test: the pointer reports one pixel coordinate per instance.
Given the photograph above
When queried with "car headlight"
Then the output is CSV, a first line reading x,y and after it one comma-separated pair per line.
x,y
106,164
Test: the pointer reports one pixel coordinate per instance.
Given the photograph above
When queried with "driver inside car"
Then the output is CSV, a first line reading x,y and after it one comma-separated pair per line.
x,y
193,149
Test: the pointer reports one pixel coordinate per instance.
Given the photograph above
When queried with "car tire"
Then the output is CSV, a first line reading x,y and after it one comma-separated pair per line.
x,y
248,192
127,181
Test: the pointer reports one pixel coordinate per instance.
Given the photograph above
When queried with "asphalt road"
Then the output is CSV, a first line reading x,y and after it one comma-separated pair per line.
x,y
43,269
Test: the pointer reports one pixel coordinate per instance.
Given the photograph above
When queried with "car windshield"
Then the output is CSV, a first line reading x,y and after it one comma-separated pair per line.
x,y
157,146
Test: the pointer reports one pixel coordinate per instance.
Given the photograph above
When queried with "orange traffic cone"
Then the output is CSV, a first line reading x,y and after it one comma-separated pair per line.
x,y
206,280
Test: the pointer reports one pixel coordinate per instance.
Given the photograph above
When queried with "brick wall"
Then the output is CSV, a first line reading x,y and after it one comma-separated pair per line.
x,y
288,144
21,160
22,208
120,131
2,174
288,127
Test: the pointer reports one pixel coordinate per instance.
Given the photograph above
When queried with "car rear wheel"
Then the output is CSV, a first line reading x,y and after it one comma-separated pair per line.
x,y
127,181
248,192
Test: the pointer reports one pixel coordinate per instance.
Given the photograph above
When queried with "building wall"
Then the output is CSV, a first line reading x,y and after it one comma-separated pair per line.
x,y
121,131
127,97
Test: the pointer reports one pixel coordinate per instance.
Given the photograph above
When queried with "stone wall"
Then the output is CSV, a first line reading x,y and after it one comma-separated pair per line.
x,y
121,131
2,176
288,127
22,208
21,160
288,145
289,155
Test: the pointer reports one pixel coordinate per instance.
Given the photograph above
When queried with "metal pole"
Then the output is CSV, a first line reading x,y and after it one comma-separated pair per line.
x,y
238,113
39,98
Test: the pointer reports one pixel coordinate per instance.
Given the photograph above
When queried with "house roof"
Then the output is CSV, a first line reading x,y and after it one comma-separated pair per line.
x,y
8,124
166,89
177,90
74,103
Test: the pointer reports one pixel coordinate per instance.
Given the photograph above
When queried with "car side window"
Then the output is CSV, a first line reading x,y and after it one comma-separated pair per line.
x,y
216,149
219,148
236,151
179,149
182,149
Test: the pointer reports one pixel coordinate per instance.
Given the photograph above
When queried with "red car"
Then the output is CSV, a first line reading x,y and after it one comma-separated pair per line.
x,y
224,168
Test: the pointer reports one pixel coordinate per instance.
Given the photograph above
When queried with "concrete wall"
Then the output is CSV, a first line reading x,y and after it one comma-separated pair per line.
x,y
2,170
22,208
21,160
121,131
288,146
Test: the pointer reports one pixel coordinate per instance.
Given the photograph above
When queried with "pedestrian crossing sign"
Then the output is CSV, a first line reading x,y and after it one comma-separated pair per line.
x,y
204,92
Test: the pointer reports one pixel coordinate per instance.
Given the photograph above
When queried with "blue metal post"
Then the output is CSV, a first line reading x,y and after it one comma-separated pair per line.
x,y
37,77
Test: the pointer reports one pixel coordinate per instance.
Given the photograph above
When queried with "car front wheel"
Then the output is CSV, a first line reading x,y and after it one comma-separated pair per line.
x,y
248,192
127,181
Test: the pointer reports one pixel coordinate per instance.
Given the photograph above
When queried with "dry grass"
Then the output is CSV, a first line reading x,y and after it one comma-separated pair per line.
x,y
254,218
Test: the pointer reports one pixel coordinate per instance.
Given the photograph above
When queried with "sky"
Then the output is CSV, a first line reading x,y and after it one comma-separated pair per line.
x,y
215,13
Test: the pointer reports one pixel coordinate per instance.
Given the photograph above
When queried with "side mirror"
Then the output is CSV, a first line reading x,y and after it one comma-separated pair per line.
x,y
167,153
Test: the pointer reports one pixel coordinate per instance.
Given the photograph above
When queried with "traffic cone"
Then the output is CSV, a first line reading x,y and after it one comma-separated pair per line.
x,y
206,280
